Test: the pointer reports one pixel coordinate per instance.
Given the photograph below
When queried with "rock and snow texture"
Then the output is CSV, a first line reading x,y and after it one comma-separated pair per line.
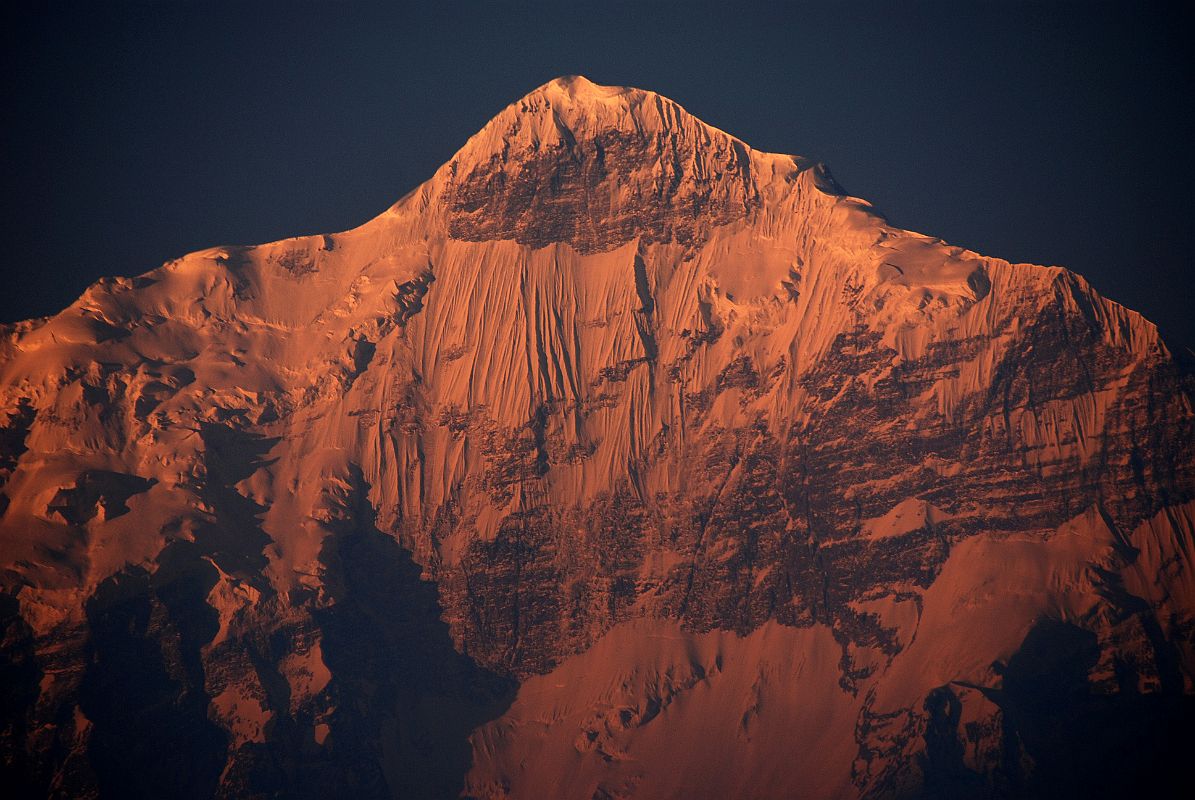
x,y
618,459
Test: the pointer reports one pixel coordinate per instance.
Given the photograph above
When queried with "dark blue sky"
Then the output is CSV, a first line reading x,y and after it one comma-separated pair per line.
x,y
1045,132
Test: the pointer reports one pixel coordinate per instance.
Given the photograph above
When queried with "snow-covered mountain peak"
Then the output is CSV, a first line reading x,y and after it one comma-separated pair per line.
x,y
580,89
572,109
595,166
611,400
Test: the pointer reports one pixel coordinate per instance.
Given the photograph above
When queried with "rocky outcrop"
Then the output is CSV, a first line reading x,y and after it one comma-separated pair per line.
x,y
612,403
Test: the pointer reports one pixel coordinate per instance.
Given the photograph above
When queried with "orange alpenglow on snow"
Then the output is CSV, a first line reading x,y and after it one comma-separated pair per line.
x,y
616,460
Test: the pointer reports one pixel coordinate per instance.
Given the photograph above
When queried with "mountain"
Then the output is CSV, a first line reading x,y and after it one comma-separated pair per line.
x,y
618,459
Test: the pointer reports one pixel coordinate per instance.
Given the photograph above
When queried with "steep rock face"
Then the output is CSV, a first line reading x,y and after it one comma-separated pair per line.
x,y
614,407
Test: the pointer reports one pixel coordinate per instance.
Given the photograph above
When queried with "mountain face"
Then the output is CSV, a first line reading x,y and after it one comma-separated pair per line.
x,y
618,459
